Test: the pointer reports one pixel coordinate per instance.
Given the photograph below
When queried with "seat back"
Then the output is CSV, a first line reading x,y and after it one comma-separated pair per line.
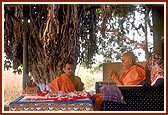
x,y
138,99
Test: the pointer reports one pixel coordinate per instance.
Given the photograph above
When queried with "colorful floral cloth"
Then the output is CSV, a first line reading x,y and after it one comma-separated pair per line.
x,y
53,101
155,66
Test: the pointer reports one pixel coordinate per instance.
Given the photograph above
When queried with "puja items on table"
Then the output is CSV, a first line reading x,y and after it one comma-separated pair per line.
x,y
59,96
53,101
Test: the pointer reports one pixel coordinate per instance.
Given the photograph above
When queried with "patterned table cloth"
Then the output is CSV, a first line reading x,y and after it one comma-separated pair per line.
x,y
20,104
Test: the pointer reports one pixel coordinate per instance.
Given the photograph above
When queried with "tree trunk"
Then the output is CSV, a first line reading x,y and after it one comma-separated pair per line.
x,y
56,43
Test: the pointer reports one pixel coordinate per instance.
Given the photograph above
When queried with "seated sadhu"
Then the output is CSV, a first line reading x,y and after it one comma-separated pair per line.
x,y
133,75
67,82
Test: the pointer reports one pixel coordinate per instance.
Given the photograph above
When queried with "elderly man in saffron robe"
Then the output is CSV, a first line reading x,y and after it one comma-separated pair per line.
x,y
133,75
67,82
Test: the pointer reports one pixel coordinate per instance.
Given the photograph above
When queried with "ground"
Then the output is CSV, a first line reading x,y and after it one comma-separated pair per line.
x,y
12,86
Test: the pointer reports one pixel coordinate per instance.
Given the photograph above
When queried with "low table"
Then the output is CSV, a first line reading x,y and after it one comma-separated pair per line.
x,y
50,105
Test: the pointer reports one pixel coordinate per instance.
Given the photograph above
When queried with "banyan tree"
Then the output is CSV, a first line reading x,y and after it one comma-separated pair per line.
x,y
58,33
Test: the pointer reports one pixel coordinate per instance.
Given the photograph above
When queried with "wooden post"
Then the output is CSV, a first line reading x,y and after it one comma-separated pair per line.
x,y
26,79
158,28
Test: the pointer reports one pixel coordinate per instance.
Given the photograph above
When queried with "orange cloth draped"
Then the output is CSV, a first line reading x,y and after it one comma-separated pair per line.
x,y
133,76
97,101
62,83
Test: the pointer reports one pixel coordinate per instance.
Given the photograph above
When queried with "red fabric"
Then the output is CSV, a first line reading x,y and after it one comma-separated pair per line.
x,y
155,66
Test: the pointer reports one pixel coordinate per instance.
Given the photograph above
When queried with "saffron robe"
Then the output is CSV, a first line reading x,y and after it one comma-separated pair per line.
x,y
65,83
62,83
133,76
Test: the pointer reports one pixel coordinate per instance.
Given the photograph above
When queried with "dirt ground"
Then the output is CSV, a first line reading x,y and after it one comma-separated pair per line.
x,y
12,86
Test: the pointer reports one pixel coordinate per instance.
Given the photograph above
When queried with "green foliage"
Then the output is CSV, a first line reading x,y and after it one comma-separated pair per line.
x,y
7,64
102,30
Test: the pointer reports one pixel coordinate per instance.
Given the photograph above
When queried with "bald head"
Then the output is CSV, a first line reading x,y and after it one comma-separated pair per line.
x,y
128,59
130,55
